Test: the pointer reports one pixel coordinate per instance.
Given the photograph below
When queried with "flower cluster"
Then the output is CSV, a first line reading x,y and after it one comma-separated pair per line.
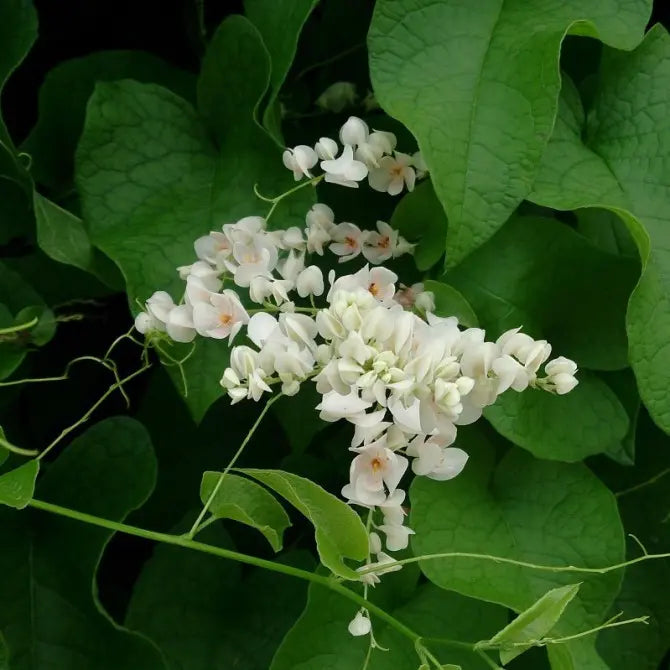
x,y
364,154
404,381
379,356
268,264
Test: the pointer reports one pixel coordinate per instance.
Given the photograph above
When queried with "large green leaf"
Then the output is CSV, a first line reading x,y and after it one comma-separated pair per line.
x,y
210,616
233,80
151,180
623,165
477,84
340,532
18,30
53,140
145,168
320,638
536,420
529,510
279,23
449,302
245,501
420,218
539,274
51,617
644,509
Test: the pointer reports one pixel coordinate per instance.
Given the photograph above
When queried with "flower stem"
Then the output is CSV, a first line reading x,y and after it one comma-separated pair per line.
x,y
233,460
277,199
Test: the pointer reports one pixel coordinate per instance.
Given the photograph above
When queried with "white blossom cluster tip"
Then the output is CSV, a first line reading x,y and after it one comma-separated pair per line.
x,y
364,154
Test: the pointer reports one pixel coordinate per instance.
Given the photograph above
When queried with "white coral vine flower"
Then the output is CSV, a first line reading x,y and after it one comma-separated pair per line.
x,y
374,472
348,241
378,144
360,625
354,132
300,160
213,248
180,326
222,316
561,374
310,282
393,174
345,170
434,459
381,245
326,149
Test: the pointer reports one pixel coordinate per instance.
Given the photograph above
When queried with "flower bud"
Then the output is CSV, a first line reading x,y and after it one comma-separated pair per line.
x,y
326,149
354,131
560,365
563,382
359,625
310,282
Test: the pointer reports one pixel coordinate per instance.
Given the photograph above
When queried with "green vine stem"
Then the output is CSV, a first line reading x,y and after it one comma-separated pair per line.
x,y
181,541
522,564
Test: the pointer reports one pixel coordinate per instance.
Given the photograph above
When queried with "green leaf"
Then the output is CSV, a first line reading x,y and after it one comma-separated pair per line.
x,y
151,181
604,229
18,31
533,623
420,218
623,384
320,638
536,420
212,616
62,236
339,530
245,501
4,453
233,80
299,425
606,171
144,170
477,84
17,486
644,502
529,510
449,302
279,23
53,140
19,304
51,616
529,275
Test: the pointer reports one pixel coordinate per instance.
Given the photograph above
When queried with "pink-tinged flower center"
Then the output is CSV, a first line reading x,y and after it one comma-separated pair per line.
x,y
374,289
225,319
384,242
350,242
